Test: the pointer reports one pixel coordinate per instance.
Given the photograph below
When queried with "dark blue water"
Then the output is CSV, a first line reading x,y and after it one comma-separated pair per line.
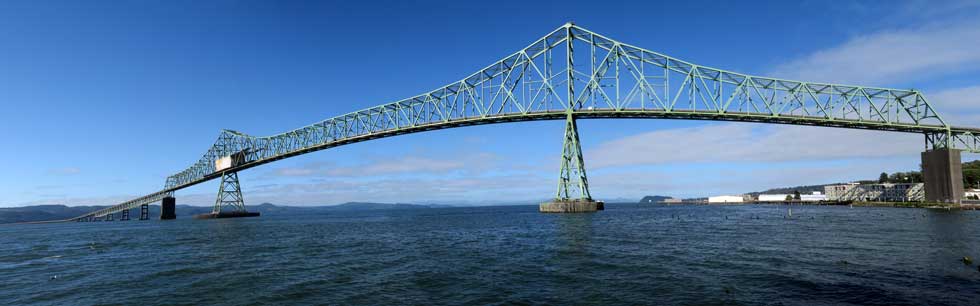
x,y
628,254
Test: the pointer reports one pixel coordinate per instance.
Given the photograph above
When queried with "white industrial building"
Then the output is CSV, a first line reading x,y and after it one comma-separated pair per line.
x,y
773,197
815,196
726,199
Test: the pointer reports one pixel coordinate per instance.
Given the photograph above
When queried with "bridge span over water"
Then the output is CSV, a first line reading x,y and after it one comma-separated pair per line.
x,y
573,73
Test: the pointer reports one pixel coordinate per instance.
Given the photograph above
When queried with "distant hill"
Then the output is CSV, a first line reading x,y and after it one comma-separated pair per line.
x,y
789,190
654,199
42,212
60,212
619,200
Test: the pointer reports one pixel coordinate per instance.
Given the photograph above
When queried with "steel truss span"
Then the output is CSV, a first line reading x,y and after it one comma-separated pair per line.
x,y
577,71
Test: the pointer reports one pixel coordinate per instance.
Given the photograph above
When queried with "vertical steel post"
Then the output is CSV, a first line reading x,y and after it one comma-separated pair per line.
x,y
229,194
572,182
145,212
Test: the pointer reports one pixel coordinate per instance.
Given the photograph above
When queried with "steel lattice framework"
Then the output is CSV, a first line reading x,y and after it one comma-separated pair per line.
x,y
229,194
573,73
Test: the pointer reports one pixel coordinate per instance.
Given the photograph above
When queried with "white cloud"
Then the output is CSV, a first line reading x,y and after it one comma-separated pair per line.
x,y
405,164
958,106
80,201
65,171
417,165
892,56
930,9
459,190
744,142
295,171
964,98
732,178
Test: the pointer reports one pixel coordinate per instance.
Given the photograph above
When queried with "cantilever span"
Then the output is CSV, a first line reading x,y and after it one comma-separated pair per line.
x,y
573,73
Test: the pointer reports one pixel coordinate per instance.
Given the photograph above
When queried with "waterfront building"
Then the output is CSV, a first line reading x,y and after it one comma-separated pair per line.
x,y
838,192
885,192
726,199
816,196
773,197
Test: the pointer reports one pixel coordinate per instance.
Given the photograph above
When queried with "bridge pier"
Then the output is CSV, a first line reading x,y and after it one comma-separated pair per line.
x,y
573,185
108,217
145,212
168,208
942,172
124,215
230,202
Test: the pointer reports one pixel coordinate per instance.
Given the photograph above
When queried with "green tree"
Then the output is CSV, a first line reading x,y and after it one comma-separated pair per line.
x,y
796,195
971,177
897,177
789,197
883,178
915,177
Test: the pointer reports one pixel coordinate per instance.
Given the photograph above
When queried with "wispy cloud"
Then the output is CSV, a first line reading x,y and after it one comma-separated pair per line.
x,y
925,43
304,171
65,171
699,180
409,164
79,201
932,10
958,106
892,56
964,98
744,142
458,189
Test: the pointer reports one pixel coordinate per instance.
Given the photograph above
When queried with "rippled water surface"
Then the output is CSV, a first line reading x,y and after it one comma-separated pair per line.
x,y
628,254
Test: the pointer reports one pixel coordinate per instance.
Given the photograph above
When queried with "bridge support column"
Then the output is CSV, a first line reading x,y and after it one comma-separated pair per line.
x,y
942,172
145,212
168,208
108,217
230,202
124,215
573,185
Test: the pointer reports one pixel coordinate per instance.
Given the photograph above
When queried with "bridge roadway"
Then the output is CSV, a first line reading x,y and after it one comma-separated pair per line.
x,y
573,73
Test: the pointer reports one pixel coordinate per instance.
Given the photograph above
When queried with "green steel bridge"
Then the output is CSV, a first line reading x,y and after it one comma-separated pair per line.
x,y
573,73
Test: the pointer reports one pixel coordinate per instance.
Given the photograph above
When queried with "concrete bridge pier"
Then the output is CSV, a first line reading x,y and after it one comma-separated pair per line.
x,y
145,212
168,209
124,215
942,172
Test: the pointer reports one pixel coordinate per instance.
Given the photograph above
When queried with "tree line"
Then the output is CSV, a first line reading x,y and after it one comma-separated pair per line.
x,y
971,176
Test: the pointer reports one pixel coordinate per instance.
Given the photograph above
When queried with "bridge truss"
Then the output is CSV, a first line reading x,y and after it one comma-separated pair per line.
x,y
573,73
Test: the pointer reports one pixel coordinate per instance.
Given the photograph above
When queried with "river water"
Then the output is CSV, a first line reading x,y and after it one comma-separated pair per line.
x,y
628,254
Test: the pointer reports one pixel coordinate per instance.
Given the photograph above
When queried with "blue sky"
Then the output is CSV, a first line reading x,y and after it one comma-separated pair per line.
x,y
103,100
